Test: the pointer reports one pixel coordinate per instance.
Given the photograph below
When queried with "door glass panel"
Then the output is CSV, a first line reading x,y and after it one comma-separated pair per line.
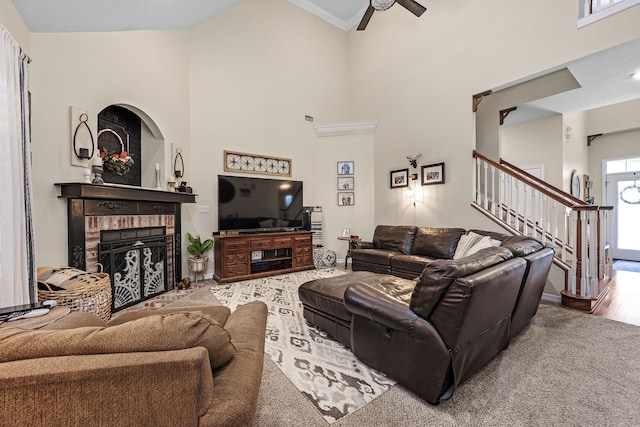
x,y
628,214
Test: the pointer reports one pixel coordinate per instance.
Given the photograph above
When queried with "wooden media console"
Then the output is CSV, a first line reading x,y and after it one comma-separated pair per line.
x,y
250,256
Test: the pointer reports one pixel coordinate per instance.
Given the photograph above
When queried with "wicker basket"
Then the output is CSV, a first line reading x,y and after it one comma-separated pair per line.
x,y
90,292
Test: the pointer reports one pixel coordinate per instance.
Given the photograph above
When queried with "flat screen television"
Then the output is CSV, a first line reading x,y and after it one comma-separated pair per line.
x,y
259,204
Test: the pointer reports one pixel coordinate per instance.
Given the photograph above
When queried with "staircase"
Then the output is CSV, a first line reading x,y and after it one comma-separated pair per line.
x,y
580,233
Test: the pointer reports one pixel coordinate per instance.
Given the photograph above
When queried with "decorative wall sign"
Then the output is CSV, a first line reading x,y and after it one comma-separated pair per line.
x,y
255,163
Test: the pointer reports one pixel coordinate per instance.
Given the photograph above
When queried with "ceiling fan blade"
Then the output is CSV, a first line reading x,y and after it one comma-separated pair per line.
x,y
365,18
412,6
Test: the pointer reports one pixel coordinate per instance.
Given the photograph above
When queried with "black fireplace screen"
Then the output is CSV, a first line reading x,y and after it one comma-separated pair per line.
x,y
136,260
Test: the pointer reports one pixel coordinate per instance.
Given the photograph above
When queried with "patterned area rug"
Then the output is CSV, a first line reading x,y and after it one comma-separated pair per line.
x,y
324,371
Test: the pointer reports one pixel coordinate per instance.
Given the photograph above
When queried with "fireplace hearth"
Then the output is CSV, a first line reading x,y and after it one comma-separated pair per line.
x,y
104,219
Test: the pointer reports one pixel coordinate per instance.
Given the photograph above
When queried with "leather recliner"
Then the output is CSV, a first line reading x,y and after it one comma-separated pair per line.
x,y
435,336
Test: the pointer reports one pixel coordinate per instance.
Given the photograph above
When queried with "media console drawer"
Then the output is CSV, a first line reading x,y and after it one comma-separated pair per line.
x,y
261,243
235,245
282,242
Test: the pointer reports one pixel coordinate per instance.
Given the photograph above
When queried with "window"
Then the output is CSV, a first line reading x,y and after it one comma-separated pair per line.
x,y
590,11
623,165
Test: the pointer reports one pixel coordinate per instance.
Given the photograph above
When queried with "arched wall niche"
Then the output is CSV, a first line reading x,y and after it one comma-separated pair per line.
x,y
142,139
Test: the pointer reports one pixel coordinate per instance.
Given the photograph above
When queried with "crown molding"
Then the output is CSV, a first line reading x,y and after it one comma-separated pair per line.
x,y
330,18
352,128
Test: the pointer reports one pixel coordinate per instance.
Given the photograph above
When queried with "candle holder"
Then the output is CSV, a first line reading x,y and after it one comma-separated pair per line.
x,y
97,174
158,186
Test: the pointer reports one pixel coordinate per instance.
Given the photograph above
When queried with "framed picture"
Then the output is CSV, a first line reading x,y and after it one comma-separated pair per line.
x,y
433,174
345,183
346,232
399,178
345,168
346,199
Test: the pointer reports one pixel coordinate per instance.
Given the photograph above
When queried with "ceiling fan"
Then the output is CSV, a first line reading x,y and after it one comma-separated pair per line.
x,y
382,5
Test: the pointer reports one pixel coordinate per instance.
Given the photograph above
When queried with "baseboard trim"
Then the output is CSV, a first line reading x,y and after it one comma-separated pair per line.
x,y
552,298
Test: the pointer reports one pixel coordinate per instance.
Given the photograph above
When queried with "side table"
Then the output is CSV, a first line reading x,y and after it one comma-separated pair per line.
x,y
350,239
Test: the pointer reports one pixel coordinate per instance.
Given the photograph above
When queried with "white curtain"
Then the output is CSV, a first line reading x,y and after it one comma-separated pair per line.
x,y
17,264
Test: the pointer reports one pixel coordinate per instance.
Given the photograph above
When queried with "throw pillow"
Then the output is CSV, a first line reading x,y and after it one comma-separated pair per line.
x,y
465,243
61,278
174,331
471,243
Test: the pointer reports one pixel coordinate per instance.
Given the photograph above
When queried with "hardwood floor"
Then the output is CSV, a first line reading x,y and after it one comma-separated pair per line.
x,y
622,303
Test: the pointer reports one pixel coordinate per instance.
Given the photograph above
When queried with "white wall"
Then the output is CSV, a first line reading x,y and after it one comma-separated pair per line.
x,y
538,142
145,69
417,77
575,154
359,217
255,71
245,79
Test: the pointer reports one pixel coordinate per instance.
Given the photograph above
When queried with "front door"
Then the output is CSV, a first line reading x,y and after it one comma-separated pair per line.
x,y
624,197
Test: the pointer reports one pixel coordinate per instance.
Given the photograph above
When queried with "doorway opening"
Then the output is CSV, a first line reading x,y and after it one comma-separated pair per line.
x,y
622,191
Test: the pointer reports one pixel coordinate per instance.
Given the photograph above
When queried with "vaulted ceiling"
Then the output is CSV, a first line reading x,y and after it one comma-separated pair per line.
x,y
604,77
118,15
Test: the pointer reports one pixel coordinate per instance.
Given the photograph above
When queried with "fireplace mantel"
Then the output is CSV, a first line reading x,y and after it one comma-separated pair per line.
x,y
94,208
78,190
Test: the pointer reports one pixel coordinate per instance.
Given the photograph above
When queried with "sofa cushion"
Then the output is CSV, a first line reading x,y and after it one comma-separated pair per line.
x,y
374,256
395,237
439,243
152,333
522,245
415,263
437,276
76,319
494,235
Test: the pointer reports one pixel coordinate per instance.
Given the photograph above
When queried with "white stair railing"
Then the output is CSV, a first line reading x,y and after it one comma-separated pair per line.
x,y
579,232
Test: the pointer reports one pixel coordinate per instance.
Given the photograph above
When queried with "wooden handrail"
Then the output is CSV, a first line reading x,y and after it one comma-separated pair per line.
x,y
555,193
543,183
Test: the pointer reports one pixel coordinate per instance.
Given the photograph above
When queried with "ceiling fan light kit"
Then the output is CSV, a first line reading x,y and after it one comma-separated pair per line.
x,y
381,5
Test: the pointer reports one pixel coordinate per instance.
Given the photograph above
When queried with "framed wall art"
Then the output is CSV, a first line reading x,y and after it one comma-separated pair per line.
x,y
399,178
346,199
345,168
433,174
254,163
345,183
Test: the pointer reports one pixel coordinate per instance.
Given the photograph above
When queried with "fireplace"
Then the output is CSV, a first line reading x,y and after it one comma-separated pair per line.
x,y
106,221
136,261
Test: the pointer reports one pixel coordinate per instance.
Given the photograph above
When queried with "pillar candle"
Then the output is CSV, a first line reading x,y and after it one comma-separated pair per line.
x,y
157,166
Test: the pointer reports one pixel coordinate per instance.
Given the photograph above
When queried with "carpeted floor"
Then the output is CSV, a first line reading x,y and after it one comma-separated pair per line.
x,y
335,381
627,265
565,369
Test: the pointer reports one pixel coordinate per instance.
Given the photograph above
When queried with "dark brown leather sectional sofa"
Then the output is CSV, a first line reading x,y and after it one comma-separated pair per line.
x,y
431,332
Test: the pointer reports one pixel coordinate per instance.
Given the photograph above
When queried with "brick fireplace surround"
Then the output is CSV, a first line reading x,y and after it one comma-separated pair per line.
x,y
94,208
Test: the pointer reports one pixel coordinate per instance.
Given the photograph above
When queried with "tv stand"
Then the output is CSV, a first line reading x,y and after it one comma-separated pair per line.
x,y
255,255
